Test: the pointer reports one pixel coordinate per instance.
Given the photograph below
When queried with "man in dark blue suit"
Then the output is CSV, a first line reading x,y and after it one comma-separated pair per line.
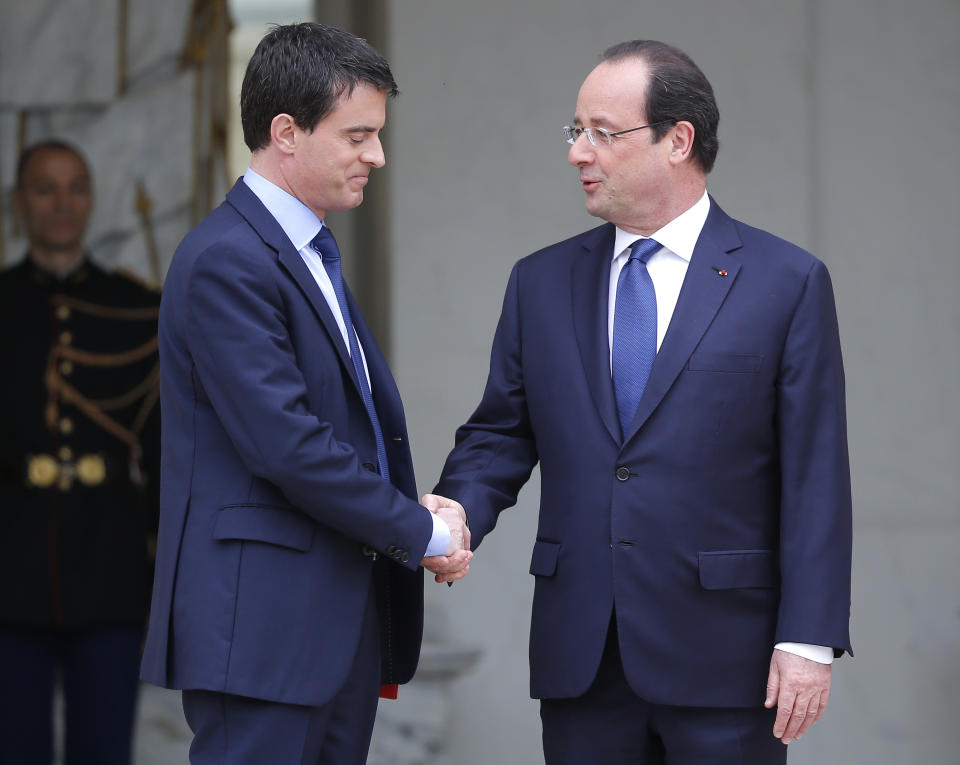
x,y
677,375
288,587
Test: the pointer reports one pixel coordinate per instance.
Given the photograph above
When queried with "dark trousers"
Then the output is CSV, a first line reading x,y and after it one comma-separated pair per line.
x,y
611,724
98,669
244,731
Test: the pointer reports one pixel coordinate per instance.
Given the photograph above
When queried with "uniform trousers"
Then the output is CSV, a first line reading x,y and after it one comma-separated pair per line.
x,y
98,671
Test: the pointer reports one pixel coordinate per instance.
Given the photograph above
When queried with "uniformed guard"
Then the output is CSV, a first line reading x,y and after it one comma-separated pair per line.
x,y
79,445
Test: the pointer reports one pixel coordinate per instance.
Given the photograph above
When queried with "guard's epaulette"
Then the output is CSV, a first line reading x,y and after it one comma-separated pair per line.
x,y
125,273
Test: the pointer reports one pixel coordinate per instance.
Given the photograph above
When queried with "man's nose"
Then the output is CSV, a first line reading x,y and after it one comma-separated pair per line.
x,y
581,151
375,155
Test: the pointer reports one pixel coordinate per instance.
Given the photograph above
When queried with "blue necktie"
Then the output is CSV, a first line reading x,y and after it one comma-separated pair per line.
x,y
634,331
326,245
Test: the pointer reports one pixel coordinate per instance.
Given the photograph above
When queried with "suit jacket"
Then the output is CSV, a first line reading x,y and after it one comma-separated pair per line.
x,y
269,491
720,523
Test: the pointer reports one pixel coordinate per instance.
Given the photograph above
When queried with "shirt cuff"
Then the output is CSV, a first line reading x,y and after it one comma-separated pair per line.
x,y
440,540
821,654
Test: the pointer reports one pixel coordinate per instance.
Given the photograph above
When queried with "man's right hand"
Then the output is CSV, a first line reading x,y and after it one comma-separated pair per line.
x,y
456,562
448,568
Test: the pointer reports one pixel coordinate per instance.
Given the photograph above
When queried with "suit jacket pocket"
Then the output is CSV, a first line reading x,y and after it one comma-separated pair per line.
x,y
730,569
272,524
544,560
724,362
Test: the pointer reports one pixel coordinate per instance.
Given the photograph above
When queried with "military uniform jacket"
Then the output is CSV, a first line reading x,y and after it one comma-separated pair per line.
x,y
79,446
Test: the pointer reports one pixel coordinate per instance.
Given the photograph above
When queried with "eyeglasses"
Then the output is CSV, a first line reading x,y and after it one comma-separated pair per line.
x,y
598,135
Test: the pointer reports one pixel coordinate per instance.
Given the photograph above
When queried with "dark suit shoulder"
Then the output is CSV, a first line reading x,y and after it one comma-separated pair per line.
x,y
760,247
222,224
238,246
756,248
224,233
583,242
753,236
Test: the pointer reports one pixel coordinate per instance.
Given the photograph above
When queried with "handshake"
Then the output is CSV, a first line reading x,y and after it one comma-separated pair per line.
x,y
455,563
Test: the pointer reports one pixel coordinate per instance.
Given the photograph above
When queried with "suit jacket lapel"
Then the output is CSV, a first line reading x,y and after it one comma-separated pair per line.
x,y
293,263
385,394
252,209
710,275
386,399
590,280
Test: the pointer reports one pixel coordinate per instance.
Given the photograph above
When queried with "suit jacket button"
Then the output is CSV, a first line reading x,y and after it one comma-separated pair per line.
x,y
623,473
369,466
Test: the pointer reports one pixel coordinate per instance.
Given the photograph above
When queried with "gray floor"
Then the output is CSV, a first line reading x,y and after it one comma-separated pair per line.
x,y
162,736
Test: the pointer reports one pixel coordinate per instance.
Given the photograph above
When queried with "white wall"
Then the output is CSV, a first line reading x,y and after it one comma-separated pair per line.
x,y
838,131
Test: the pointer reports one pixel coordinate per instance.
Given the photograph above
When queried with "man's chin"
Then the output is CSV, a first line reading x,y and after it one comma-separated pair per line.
x,y
594,209
355,200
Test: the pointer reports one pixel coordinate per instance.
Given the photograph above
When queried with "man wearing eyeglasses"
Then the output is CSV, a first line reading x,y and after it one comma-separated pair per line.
x,y
677,375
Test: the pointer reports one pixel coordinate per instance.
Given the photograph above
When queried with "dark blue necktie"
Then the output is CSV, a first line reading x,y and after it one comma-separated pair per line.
x,y
634,330
326,245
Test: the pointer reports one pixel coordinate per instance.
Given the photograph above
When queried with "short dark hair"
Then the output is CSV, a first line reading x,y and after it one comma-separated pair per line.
x,y
47,144
677,90
302,70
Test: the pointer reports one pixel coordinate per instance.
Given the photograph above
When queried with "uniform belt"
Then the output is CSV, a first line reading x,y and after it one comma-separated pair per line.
x,y
45,470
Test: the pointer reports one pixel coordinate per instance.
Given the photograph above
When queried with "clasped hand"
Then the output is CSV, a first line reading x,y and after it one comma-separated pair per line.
x,y
455,563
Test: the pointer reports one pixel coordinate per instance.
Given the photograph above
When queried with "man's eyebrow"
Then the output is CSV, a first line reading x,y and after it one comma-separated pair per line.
x,y
598,122
361,129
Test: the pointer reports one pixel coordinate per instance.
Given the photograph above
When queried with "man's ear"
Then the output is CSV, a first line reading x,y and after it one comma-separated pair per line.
x,y
681,142
283,133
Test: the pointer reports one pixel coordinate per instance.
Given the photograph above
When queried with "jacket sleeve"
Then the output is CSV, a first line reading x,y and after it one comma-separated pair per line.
x,y
815,508
495,450
246,364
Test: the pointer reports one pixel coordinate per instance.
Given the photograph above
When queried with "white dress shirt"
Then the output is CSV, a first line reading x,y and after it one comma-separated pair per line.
x,y
301,225
667,268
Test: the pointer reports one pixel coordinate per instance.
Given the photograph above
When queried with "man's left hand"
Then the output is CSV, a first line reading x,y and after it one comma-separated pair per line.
x,y
800,688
